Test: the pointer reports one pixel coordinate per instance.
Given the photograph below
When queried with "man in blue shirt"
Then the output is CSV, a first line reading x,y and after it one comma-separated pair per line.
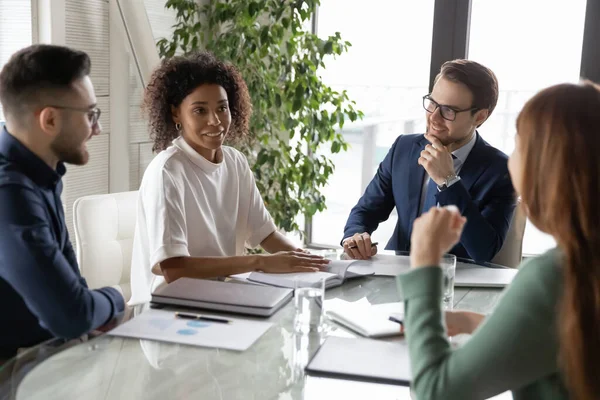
x,y
450,165
50,108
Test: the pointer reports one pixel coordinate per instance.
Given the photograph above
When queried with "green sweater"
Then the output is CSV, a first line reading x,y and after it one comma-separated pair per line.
x,y
515,348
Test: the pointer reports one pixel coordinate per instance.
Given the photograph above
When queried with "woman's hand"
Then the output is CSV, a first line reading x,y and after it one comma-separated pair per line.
x,y
291,261
458,322
433,234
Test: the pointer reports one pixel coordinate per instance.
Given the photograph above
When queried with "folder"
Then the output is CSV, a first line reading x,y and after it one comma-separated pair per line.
x,y
230,297
362,360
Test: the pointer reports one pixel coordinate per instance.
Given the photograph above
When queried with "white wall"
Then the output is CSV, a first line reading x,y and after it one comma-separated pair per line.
x,y
15,30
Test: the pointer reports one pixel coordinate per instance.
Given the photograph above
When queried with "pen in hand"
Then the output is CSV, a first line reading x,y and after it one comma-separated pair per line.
x,y
201,318
356,247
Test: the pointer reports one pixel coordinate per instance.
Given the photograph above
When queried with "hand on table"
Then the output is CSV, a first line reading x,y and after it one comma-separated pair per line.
x,y
291,261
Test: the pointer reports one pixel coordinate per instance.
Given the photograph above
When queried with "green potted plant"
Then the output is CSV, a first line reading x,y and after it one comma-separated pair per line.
x,y
295,113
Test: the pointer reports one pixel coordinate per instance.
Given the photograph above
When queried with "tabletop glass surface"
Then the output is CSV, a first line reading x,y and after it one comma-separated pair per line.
x,y
109,367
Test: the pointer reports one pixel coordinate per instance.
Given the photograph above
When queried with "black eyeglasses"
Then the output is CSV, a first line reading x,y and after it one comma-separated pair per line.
x,y
447,112
93,114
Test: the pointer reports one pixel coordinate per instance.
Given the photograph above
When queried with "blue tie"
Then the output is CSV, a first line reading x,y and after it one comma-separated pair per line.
x,y
430,196
432,190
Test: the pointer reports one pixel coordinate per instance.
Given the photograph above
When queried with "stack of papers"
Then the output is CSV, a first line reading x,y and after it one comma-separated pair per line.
x,y
364,318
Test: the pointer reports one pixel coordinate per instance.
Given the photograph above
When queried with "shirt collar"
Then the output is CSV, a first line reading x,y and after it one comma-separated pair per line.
x,y
462,153
196,158
33,166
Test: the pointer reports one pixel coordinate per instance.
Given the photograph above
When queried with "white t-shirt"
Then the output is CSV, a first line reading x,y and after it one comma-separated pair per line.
x,y
189,206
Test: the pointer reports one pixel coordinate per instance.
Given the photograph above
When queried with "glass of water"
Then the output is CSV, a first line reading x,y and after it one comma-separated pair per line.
x,y
308,303
448,264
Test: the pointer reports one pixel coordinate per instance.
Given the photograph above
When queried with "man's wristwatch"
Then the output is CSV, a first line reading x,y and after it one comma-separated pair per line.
x,y
449,181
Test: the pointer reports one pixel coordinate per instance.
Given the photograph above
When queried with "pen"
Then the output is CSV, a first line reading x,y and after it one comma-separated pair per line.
x,y
356,247
201,318
396,320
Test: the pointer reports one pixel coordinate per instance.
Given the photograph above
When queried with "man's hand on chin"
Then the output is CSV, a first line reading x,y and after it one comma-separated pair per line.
x,y
437,160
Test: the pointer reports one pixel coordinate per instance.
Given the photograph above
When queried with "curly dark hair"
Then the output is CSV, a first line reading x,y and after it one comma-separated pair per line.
x,y
176,78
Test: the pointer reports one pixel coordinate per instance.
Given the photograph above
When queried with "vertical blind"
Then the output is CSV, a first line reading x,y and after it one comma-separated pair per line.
x,y
15,29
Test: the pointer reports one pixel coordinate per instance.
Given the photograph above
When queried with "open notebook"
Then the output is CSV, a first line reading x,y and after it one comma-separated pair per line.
x,y
370,320
336,273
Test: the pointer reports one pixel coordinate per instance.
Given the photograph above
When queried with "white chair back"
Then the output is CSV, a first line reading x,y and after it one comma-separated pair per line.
x,y
104,228
512,250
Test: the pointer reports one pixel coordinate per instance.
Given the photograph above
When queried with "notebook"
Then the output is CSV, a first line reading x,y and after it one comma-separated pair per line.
x,y
337,272
362,360
370,320
223,296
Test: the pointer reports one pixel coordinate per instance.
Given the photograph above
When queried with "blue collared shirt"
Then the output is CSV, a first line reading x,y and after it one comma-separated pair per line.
x,y
42,293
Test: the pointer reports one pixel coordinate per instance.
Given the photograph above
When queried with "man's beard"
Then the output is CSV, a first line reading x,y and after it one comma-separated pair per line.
x,y
449,140
67,151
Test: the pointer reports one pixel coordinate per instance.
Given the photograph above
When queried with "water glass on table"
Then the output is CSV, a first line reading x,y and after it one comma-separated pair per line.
x,y
448,265
308,304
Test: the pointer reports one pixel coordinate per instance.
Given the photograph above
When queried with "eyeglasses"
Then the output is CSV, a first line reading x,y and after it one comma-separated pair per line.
x,y
447,112
93,114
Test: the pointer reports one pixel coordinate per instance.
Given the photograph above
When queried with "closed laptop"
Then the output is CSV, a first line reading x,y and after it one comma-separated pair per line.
x,y
223,296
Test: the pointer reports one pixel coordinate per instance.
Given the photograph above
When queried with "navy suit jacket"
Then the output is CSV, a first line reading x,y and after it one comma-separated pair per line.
x,y
484,195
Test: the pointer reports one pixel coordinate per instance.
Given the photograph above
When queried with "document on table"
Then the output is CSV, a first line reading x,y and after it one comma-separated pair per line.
x,y
385,264
336,272
362,359
162,325
468,274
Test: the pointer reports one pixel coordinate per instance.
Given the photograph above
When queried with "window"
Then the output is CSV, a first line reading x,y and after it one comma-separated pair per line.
x,y
386,72
15,29
534,52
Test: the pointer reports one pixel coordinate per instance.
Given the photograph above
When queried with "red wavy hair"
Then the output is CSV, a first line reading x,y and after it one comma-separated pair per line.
x,y
559,135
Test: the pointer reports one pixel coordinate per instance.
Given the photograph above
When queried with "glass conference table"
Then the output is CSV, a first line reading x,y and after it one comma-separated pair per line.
x,y
108,367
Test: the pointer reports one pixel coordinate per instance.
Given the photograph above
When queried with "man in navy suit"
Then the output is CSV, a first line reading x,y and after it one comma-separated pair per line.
x,y
449,165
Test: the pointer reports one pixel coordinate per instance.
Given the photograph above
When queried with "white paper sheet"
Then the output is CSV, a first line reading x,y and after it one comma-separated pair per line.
x,y
385,265
162,325
334,276
467,274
